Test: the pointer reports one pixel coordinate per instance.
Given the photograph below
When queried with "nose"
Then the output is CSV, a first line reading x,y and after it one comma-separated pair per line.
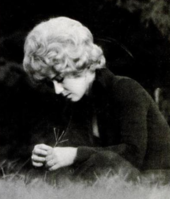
x,y
58,87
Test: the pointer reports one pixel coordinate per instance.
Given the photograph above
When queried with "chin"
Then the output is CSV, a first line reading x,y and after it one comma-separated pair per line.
x,y
75,98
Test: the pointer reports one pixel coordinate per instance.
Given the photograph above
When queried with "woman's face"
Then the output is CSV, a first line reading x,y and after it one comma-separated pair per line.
x,y
74,87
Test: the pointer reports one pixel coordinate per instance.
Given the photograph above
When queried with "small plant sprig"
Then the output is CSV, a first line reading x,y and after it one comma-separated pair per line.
x,y
58,140
58,137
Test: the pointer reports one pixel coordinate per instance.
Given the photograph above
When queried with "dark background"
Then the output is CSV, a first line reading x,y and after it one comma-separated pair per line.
x,y
133,34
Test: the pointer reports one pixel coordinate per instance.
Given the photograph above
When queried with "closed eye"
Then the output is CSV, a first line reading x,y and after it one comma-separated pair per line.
x,y
58,78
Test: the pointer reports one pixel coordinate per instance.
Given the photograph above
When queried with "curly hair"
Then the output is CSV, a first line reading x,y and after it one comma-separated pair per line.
x,y
61,45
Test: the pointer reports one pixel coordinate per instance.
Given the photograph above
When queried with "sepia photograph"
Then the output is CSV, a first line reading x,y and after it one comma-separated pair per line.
x,y
85,99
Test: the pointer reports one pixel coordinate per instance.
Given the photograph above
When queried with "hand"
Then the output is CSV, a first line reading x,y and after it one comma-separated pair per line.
x,y
39,154
60,157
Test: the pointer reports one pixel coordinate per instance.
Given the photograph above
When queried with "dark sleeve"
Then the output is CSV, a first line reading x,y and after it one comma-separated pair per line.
x,y
133,102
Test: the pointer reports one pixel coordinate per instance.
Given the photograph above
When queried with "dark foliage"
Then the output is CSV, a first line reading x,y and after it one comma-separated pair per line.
x,y
27,113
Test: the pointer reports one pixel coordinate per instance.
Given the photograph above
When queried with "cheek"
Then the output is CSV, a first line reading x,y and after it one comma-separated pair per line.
x,y
75,86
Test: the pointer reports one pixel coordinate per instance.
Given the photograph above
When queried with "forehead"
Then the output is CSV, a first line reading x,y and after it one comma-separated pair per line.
x,y
51,73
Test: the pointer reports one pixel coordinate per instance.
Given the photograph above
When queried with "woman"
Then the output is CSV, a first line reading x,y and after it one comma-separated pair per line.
x,y
113,119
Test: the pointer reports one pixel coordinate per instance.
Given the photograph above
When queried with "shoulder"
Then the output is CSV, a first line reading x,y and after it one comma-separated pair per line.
x,y
126,85
119,83
123,88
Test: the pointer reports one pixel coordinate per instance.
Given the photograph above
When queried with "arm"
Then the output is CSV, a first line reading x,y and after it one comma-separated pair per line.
x,y
133,104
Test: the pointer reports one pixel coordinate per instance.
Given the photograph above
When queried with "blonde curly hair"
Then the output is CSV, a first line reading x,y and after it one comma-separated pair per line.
x,y
60,45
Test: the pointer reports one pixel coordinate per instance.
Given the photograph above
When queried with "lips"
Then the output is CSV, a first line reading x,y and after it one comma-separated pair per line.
x,y
67,95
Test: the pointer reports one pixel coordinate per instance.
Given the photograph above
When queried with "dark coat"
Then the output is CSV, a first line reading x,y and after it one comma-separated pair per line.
x,y
130,123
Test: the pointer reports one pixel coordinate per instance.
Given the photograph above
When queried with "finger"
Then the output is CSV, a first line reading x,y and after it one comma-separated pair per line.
x,y
50,151
44,147
37,164
49,157
50,163
55,167
38,151
38,158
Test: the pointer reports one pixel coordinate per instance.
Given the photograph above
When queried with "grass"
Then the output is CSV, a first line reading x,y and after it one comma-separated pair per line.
x,y
17,186
15,183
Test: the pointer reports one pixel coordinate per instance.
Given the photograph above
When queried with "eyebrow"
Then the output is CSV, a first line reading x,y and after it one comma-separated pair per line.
x,y
58,78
